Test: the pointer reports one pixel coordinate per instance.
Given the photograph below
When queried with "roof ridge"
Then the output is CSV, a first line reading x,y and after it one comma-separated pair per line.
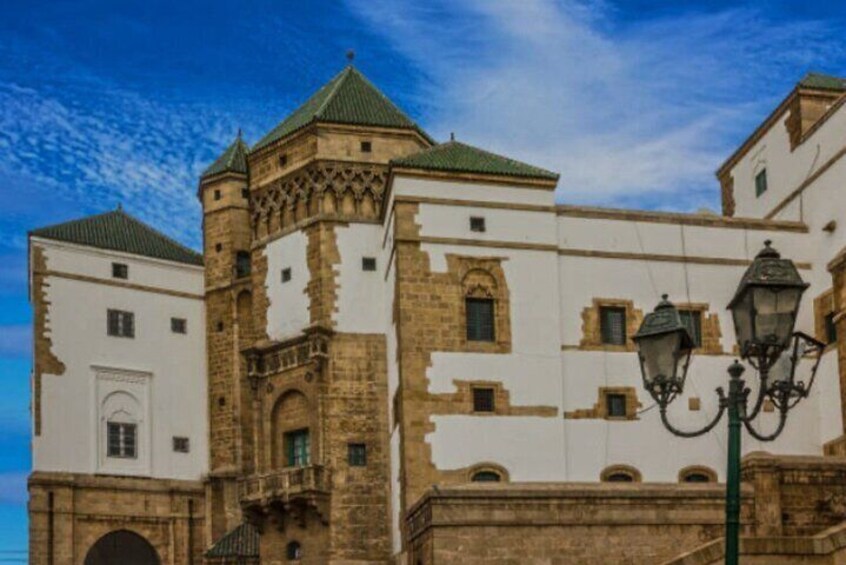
x,y
339,79
154,231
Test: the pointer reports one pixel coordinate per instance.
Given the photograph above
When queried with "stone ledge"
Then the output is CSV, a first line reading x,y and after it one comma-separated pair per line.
x,y
113,482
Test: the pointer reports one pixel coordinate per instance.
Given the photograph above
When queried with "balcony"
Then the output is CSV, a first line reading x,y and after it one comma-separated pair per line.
x,y
287,494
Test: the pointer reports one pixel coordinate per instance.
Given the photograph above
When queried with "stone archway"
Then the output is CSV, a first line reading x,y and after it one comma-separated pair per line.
x,y
124,547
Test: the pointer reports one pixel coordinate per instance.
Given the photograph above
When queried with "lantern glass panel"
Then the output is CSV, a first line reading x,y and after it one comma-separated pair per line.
x,y
775,313
659,355
742,313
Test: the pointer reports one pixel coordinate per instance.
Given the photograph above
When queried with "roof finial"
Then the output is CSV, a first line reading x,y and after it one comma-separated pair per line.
x,y
350,55
452,136
120,207
239,133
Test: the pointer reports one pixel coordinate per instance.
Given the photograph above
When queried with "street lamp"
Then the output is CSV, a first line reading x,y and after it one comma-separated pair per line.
x,y
764,310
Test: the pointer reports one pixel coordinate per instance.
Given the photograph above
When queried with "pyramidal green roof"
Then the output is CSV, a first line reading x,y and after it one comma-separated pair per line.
x,y
349,98
824,82
241,542
462,158
118,231
233,160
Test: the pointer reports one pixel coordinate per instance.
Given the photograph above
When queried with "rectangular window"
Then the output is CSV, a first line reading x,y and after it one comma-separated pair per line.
x,y
615,405
612,325
761,183
217,195
242,264
366,147
121,440
477,224
368,263
357,454
120,271
480,319
179,325
283,160
692,319
120,323
483,399
830,328
297,447
286,274
245,193
181,444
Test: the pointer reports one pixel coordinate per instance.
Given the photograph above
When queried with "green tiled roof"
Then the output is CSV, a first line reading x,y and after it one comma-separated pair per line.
x,y
462,158
824,82
242,542
118,231
349,98
233,160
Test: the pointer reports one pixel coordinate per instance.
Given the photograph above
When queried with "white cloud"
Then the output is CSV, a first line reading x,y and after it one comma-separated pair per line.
x,y
620,110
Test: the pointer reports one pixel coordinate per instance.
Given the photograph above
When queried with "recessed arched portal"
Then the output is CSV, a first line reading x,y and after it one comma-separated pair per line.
x,y
124,547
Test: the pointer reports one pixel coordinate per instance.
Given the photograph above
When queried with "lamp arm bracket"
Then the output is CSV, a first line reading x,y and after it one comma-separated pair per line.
x,y
782,420
708,427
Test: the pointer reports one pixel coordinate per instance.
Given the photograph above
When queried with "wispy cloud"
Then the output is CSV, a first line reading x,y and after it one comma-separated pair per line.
x,y
625,112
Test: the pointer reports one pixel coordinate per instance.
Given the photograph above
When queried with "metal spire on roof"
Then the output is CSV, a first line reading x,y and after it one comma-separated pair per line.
x,y
239,133
452,136
350,55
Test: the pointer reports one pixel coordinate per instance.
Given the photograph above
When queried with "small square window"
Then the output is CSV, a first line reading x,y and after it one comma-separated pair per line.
x,y
357,454
368,263
120,271
218,247
283,160
120,323
366,147
286,274
477,224
219,326
245,193
612,325
761,183
217,195
616,405
179,325
181,444
483,399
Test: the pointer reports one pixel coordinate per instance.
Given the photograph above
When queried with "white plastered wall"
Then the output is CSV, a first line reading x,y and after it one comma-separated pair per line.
x,y
288,312
165,372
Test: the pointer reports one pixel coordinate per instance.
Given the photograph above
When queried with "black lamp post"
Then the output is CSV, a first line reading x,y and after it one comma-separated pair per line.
x,y
764,309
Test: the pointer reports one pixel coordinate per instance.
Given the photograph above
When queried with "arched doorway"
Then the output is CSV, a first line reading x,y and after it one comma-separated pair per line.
x,y
124,547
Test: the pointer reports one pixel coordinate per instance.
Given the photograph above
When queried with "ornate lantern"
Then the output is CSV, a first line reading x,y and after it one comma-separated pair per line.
x,y
765,305
664,346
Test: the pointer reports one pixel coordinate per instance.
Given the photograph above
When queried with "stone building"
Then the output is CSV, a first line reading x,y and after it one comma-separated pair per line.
x,y
393,350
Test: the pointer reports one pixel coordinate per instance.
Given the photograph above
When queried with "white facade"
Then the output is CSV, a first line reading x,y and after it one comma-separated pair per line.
x,y
155,380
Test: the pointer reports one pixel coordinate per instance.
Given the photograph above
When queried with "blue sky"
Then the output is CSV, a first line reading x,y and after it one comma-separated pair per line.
x,y
634,102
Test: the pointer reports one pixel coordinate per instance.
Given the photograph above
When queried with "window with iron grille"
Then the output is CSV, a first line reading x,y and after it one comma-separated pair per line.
x,y
615,405
368,263
120,271
761,183
477,224
121,440
830,328
180,444
692,319
366,147
486,477
298,448
357,454
612,325
480,319
283,160
483,399
179,325
620,477
696,477
293,551
120,323
286,274
242,264
217,195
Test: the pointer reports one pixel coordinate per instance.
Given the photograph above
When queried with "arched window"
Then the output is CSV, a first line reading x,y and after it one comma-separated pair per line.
x,y
291,423
486,477
620,474
697,474
293,551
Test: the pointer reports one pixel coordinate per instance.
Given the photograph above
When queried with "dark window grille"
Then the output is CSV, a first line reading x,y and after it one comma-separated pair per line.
x,y
120,323
357,454
761,183
121,440
477,224
217,195
692,319
480,319
283,160
368,263
120,271
242,264
286,274
612,325
616,405
486,477
620,478
483,400
366,147
181,444
697,478
293,551
179,325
